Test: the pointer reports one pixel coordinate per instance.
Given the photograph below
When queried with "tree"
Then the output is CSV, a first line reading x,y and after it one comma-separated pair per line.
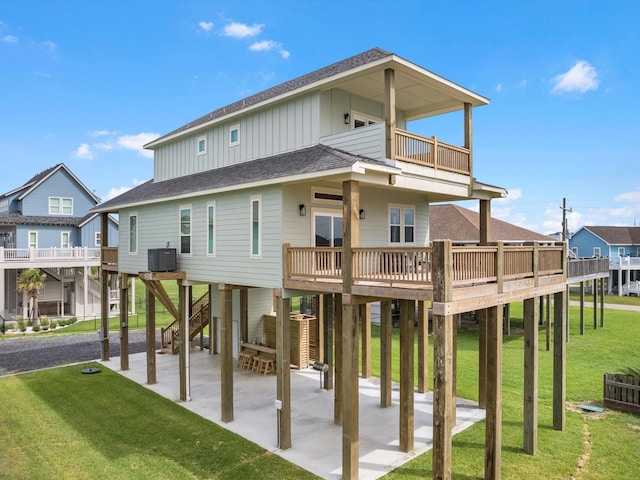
x,y
31,281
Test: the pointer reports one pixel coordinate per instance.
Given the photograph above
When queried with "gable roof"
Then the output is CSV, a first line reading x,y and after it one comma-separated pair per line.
x,y
460,224
616,235
31,184
351,74
273,169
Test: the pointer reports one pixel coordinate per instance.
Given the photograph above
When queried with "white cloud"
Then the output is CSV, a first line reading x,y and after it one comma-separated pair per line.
x,y
264,46
240,30
84,152
135,142
582,77
206,26
285,53
628,197
100,133
498,88
10,39
115,191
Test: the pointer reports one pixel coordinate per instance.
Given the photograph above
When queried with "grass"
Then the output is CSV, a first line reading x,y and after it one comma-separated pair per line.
x,y
58,423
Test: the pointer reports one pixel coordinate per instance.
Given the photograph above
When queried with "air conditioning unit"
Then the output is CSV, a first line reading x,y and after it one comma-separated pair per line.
x,y
161,259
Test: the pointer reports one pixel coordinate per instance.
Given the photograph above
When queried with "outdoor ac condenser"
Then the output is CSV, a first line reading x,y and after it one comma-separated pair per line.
x,y
161,259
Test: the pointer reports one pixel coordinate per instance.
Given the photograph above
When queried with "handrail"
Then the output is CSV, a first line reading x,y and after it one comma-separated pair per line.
x,y
431,152
52,253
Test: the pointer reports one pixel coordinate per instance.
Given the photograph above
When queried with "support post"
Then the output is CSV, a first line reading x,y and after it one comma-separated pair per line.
x,y
423,347
213,325
582,308
244,314
407,315
350,391
283,371
151,336
124,321
602,302
390,112
183,313
385,353
559,361
328,311
482,358
595,304
531,322
226,353
365,319
493,419
104,310
337,392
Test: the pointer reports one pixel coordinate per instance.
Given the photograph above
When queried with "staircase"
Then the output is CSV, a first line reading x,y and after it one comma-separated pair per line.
x,y
199,319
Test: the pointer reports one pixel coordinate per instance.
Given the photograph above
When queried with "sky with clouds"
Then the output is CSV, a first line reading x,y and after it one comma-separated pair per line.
x,y
89,83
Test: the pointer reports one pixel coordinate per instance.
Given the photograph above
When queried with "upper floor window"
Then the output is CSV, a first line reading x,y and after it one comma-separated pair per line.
x,y
98,239
596,252
401,224
133,233
256,226
211,229
234,135
65,240
60,206
185,230
202,145
33,239
575,251
621,251
360,120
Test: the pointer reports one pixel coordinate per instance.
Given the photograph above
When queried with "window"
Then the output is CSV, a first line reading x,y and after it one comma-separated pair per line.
x,y
202,145
256,226
360,120
621,251
60,206
133,233
234,135
98,239
211,229
402,224
185,230
33,239
575,251
596,252
65,240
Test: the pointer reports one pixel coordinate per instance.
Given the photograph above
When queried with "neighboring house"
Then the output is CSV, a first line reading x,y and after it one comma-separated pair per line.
x,y
317,187
621,245
45,223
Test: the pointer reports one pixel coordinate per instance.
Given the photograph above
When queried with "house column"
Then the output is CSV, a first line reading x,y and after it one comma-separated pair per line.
x,y
328,314
423,347
493,419
559,360
337,392
601,302
226,352
151,336
244,314
407,317
390,113
468,136
124,320
213,325
581,308
3,304
104,311
485,237
61,292
531,322
283,371
385,353
184,352
365,319
85,294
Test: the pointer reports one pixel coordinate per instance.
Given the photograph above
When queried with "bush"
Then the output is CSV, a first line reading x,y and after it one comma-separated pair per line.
x,y
72,320
22,326
36,328
44,321
53,324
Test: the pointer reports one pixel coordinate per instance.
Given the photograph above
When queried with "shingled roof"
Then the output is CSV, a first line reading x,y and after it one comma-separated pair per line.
x,y
13,219
616,235
463,225
318,158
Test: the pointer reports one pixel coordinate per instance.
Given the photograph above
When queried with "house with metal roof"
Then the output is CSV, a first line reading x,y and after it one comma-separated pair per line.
x,y
318,186
45,223
621,245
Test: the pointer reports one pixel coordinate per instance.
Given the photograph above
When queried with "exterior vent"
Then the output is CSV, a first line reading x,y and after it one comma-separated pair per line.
x,y
161,259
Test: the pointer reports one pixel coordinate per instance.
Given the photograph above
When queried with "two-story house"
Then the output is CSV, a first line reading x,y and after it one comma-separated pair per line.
x,y
45,223
621,245
317,186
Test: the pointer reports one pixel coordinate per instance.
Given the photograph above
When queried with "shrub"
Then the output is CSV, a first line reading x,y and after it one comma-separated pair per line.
x,y
53,324
22,326
44,321
36,328
72,320
632,372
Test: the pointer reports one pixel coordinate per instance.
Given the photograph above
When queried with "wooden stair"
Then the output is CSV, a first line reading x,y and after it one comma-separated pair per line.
x,y
198,321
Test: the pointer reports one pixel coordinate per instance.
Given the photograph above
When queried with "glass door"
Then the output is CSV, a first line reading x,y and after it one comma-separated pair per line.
x,y
328,233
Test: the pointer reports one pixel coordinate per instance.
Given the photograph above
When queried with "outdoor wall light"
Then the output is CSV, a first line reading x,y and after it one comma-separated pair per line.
x,y
347,119
361,214
302,210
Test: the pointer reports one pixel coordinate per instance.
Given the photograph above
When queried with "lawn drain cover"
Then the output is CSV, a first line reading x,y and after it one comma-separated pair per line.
x,y
90,370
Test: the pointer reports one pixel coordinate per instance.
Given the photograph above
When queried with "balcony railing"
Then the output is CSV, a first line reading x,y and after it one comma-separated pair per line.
x,y
430,152
25,255
470,265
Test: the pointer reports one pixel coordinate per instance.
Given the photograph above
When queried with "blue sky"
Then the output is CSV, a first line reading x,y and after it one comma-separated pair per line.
x,y
87,83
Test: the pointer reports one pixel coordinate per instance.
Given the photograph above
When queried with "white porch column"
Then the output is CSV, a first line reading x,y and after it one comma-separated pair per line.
x,y
85,283
62,292
2,300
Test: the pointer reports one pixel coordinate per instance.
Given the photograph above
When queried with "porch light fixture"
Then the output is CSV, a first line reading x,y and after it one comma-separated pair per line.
x,y
361,214
302,210
347,119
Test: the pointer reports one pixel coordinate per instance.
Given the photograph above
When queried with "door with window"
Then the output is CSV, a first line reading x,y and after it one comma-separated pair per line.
x,y
328,233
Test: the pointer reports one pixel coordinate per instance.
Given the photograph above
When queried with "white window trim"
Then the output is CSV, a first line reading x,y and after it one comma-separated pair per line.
x,y
368,119
597,253
180,235
97,239
34,232
621,251
62,234
215,229
328,191
60,205
134,214
255,198
231,129
200,139
402,225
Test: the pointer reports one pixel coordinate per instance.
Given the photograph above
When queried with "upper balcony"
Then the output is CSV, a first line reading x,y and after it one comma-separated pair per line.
x,y
49,257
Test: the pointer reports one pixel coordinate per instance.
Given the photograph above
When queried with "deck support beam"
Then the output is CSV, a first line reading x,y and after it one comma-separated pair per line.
x,y
226,353
337,392
531,322
559,360
493,419
365,321
482,358
184,350
124,321
423,347
283,371
244,314
151,336
407,315
328,313
104,290
385,353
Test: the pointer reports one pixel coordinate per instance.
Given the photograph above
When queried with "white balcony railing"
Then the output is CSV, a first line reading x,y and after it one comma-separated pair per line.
x,y
26,255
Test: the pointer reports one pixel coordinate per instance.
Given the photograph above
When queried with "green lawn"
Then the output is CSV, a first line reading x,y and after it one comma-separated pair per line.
x,y
61,424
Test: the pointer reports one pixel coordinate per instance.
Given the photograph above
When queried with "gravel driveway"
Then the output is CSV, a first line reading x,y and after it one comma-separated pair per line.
x,y
31,352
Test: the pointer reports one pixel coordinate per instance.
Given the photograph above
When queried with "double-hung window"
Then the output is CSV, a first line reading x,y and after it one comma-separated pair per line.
x,y
133,233
596,252
185,230
97,239
60,206
256,226
402,224
211,229
65,240
33,239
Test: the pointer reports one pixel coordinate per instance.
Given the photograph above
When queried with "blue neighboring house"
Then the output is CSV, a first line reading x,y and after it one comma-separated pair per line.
x,y
621,245
45,223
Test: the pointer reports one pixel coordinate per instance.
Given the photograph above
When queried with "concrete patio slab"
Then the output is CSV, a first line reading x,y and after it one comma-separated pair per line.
x,y
316,440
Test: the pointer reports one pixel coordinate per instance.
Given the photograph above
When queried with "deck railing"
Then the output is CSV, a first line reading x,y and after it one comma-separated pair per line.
x,y
9,255
411,266
430,152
